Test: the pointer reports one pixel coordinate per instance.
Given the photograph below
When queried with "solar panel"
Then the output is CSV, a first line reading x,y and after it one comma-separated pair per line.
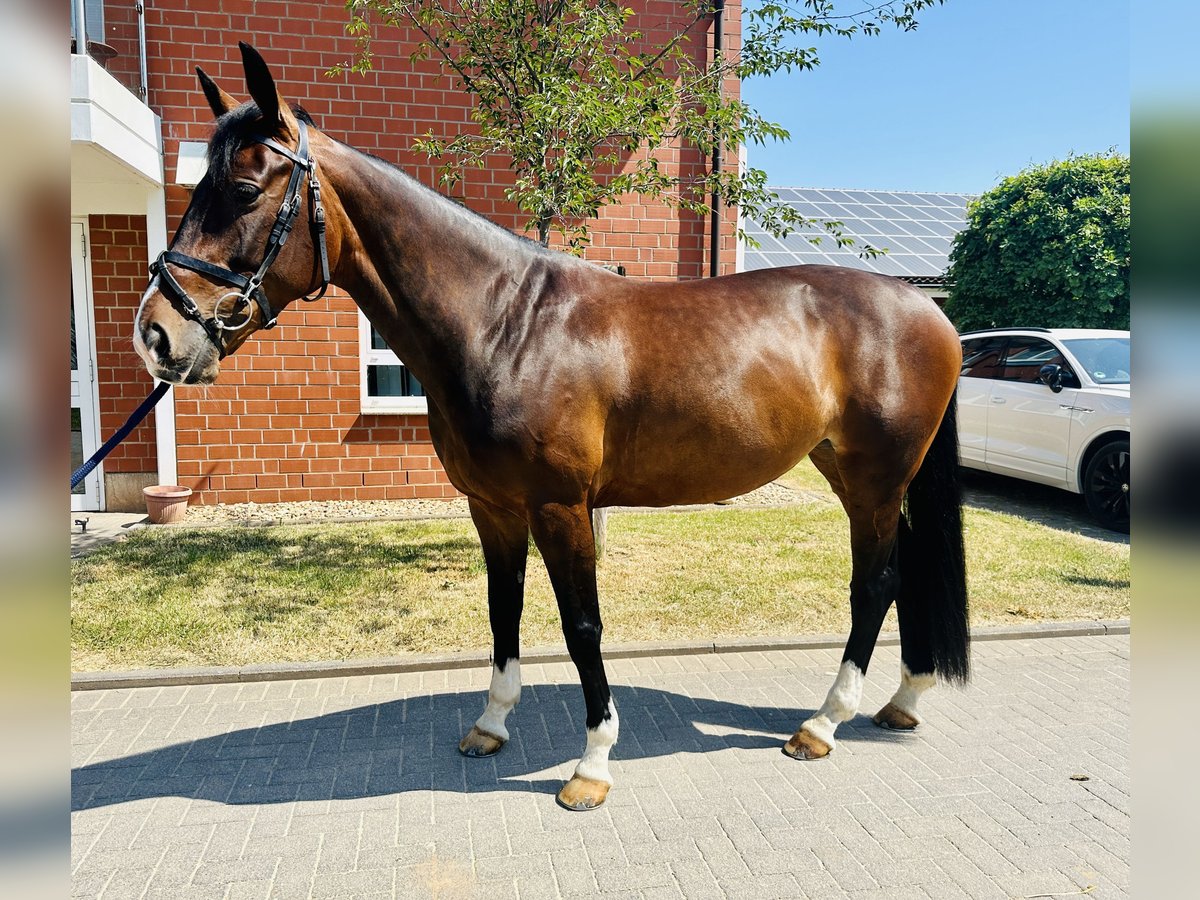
x,y
916,229
890,265
869,227
945,229
907,245
806,208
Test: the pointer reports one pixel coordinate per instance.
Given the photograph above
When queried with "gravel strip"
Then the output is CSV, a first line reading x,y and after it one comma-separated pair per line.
x,y
773,494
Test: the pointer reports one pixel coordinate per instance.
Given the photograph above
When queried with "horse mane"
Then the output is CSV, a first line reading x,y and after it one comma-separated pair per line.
x,y
454,203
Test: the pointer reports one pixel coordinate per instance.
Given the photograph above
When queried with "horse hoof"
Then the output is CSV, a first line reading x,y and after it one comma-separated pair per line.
x,y
894,717
806,746
581,794
479,743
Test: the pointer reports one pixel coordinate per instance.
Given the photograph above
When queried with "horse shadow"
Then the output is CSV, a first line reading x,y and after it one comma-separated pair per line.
x,y
397,746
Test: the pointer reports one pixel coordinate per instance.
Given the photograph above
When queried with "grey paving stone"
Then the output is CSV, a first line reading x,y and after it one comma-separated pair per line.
x,y
352,884
248,890
225,871
125,882
573,873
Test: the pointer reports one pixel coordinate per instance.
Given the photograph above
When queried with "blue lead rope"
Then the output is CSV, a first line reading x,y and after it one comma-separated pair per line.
x,y
120,434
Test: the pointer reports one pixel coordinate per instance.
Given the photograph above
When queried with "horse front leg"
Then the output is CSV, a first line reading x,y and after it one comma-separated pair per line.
x,y
505,541
563,534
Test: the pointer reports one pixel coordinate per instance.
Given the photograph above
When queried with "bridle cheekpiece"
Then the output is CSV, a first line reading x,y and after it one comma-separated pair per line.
x,y
249,288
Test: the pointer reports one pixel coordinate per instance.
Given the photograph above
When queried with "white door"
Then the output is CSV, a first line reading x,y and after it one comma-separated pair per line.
x,y
85,426
1029,425
981,364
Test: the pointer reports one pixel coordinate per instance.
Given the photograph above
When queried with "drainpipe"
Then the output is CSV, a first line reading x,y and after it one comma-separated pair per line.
x,y
80,28
144,87
714,249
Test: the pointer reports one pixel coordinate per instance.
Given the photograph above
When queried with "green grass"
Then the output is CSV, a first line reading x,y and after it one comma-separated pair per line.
x,y
805,477
235,595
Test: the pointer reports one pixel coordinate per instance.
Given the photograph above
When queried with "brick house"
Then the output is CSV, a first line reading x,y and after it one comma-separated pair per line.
x,y
316,409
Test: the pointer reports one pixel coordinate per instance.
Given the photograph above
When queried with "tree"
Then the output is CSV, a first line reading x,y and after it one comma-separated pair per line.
x,y
1048,247
570,93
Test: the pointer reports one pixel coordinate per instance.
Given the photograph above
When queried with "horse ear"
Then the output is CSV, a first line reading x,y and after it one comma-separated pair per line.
x,y
261,86
220,101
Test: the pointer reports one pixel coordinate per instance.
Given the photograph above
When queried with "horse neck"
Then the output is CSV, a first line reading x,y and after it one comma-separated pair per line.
x,y
429,275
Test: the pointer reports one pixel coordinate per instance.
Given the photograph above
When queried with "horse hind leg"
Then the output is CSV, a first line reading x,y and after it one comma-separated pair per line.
x,y
932,602
916,657
874,511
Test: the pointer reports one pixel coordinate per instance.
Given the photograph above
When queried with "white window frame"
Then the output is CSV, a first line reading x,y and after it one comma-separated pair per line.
x,y
368,356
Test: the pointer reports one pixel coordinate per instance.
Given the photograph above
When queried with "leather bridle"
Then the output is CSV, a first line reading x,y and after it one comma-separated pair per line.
x,y
249,288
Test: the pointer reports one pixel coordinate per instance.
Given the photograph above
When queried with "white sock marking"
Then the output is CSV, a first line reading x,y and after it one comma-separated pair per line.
x,y
594,764
503,695
840,704
910,690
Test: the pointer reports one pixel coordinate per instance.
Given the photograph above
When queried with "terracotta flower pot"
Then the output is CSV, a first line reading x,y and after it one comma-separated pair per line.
x,y
166,503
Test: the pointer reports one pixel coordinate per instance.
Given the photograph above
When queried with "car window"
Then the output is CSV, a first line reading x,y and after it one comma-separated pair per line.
x,y
1027,355
1105,359
981,357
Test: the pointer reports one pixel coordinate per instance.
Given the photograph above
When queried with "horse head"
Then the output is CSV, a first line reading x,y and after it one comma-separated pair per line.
x,y
231,268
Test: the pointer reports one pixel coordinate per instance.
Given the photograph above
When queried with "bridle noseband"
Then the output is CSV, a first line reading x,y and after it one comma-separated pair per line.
x,y
249,288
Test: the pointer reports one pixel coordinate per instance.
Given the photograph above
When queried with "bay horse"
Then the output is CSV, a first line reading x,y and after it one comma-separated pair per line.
x,y
556,387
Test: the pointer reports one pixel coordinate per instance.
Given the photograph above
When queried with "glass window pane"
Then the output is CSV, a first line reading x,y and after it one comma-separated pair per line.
x,y
392,381
76,446
1106,360
1026,356
74,350
981,357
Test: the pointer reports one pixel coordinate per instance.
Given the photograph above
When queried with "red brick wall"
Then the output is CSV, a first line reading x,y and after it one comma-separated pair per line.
x,y
118,258
284,422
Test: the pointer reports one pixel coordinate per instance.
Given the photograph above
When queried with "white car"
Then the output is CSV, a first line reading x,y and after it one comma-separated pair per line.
x,y
1050,405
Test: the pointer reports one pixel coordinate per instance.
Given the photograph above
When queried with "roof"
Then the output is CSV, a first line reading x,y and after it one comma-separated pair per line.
x,y
1066,334
917,230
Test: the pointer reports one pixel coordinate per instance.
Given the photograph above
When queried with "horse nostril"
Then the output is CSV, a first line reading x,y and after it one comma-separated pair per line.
x,y
156,340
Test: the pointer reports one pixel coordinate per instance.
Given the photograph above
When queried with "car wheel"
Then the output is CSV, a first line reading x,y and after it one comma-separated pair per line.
x,y
1106,486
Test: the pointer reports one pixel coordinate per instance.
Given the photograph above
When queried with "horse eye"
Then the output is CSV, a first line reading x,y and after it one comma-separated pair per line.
x,y
246,193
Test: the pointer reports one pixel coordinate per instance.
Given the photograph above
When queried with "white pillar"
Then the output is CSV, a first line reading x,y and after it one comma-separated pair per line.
x,y
164,413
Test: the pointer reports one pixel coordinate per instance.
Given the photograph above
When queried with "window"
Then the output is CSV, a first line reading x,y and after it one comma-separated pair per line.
x,y
387,385
981,357
93,18
1027,355
1106,360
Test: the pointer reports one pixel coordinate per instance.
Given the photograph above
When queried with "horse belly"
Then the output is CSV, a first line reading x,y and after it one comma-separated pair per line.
x,y
680,463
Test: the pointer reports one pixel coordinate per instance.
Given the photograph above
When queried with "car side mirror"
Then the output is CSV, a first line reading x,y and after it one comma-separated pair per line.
x,y
1051,376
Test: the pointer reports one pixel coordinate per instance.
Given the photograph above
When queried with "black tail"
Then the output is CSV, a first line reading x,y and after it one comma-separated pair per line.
x,y
933,573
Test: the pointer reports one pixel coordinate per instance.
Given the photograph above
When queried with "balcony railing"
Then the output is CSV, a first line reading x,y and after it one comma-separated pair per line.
x,y
114,35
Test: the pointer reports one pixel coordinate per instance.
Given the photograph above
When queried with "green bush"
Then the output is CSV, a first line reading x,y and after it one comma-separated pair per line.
x,y
1048,247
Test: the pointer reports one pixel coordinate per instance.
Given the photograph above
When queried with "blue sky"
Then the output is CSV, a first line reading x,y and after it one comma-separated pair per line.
x,y
979,91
